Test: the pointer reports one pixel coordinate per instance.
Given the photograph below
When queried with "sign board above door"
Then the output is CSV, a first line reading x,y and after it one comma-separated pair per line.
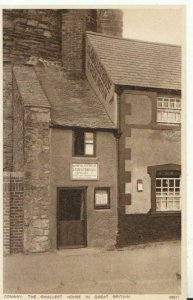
x,y
84,171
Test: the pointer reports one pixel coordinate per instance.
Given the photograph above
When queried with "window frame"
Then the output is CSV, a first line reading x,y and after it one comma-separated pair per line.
x,y
168,193
106,206
168,109
73,143
152,170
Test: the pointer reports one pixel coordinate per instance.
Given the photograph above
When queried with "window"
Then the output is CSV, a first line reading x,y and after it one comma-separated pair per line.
x,y
168,110
84,143
165,188
102,198
167,191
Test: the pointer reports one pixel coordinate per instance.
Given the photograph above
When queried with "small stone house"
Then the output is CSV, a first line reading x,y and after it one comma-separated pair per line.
x,y
91,133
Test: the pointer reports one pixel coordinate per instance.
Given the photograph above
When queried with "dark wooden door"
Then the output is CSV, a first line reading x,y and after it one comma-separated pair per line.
x,y
71,218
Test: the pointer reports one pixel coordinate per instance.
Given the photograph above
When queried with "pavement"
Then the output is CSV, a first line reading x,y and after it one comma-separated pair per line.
x,y
152,268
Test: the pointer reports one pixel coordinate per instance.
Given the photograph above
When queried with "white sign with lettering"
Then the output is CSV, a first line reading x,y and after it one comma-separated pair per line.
x,y
101,198
86,171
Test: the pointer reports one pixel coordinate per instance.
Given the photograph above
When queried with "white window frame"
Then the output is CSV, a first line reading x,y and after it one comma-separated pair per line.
x,y
168,194
89,141
169,110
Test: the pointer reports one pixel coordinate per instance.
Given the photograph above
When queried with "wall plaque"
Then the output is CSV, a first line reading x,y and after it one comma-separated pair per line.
x,y
80,171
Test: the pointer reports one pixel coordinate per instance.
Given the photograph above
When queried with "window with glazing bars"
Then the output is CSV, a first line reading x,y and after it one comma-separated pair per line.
x,y
167,192
168,110
84,143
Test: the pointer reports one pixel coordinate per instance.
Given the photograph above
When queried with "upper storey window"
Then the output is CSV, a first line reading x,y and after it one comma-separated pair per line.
x,y
84,143
168,110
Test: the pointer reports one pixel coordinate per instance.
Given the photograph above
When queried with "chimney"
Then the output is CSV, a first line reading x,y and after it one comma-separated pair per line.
x,y
74,24
110,21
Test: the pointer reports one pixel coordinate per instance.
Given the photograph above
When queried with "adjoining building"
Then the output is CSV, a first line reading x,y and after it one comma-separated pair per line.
x,y
144,100
91,133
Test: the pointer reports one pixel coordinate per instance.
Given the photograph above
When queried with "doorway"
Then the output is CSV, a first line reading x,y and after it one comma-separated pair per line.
x,y
71,218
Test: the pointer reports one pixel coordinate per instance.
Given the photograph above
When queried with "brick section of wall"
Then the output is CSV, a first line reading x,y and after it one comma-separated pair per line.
x,y
36,179
6,213
13,212
110,21
31,32
7,118
16,213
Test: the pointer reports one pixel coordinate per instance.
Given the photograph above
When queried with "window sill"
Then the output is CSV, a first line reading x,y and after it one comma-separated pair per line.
x,y
166,126
166,214
84,157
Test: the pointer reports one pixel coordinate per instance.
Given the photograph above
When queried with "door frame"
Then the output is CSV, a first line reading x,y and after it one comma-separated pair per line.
x,y
84,191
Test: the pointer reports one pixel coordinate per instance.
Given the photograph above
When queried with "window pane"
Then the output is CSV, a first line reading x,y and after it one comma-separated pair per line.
x,y
178,117
165,102
176,205
172,103
89,149
178,103
159,102
170,205
89,137
163,205
164,116
79,143
158,206
158,182
171,117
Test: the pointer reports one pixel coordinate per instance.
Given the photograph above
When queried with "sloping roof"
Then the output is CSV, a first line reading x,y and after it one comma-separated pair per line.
x,y
29,86
138,63
72,102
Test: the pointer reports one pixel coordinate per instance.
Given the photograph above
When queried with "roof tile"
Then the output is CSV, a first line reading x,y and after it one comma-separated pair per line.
x,y
29,87
138,63
73,102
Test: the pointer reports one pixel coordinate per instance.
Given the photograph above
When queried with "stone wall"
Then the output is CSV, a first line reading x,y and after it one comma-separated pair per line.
x,y
31,32
37,179
18,142
13,212
74,24
7,118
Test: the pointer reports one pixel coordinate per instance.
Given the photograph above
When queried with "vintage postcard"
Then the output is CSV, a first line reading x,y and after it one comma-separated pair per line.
x,y
93,180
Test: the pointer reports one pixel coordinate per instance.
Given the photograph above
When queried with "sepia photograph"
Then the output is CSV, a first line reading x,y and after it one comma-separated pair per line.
x,y
92,156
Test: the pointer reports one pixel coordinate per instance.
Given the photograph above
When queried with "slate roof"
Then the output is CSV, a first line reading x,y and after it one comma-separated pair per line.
x,y
138,63
29,86
72,102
